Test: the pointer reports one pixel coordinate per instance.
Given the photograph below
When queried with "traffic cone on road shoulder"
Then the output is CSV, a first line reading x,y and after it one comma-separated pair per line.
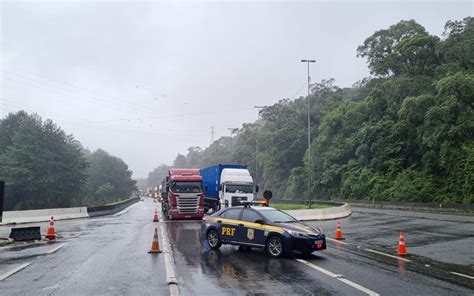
x,y
402,248
155,245
51,235
155,217
339,231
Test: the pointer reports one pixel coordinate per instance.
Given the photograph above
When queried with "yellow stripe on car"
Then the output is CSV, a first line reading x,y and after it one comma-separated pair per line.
x,y
248,224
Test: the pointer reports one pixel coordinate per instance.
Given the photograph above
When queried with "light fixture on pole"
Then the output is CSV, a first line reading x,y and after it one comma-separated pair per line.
x,y
309,134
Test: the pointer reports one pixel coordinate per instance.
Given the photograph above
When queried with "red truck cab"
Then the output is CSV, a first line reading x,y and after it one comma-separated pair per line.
x,y
182,194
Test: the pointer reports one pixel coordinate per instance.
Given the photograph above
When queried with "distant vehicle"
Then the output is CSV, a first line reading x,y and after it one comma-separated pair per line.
x,y
261,227
226,185
182,195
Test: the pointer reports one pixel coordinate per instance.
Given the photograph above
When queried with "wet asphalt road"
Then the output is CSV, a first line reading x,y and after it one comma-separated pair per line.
x,y
108,255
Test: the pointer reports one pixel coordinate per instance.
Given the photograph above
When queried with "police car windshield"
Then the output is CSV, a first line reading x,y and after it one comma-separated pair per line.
x,y
276,216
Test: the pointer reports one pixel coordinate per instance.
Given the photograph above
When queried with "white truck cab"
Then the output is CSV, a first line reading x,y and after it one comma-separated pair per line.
x,y
236,185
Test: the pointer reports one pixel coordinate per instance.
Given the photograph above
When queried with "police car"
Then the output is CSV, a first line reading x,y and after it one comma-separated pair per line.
x,y
262,227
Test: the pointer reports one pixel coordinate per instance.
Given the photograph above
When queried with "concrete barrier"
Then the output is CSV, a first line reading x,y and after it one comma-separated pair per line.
x,y
30,216
321,214
110,209
33,216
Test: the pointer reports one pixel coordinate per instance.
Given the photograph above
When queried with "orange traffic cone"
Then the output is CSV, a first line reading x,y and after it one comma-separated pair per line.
x,y
339,231
155,217
402,248
155,245
51,235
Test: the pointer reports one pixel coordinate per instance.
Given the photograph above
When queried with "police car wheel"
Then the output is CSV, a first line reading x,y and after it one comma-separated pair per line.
x,y
274,246
213,239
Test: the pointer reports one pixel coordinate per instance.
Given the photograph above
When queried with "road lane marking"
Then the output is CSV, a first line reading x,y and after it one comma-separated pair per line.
x,y
358,287
55,249
336,240
388,255
327,272
463,275
13,271
339,277
169,264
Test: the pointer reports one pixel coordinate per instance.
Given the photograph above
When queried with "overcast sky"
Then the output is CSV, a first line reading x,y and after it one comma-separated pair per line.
x,y
146,80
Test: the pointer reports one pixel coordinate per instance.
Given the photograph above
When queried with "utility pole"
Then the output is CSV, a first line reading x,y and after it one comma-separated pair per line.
x,y
212,134
309,134
258,132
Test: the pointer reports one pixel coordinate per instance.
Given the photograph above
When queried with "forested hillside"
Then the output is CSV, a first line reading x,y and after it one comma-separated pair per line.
x,y
43,167
405,133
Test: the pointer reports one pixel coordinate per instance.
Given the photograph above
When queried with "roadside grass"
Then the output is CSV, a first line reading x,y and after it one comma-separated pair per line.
x,y
297,206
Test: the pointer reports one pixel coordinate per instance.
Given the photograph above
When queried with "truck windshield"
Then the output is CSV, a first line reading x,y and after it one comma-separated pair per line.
x,y
186,187
239,188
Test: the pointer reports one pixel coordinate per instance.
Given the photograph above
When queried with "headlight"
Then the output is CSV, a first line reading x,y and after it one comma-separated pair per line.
x,y
296,233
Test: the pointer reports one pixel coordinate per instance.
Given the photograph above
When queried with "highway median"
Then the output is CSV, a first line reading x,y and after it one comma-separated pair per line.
x,y
320,211
43,215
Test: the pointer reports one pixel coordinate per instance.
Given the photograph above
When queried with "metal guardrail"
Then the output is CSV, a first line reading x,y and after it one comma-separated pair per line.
x,y
110,209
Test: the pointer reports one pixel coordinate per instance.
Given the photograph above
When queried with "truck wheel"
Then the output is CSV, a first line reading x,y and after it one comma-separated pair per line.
x,y
213,239
274,246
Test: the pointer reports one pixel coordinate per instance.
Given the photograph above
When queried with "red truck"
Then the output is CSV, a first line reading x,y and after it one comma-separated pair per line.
x,y
182,194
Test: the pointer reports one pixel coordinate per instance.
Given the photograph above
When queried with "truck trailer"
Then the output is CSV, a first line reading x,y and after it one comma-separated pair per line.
x,y
226,185
182,195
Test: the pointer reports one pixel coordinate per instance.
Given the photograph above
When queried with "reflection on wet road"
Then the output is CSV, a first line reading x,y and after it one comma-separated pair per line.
x,y
108,256
202,271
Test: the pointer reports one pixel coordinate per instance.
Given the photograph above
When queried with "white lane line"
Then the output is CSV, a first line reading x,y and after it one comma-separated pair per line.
x,y
464,275
339,277
55,249
358,287
336,240
169,264
388,255
327,272
13,271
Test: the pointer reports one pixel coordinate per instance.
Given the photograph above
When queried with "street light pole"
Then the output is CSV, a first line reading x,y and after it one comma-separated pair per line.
x,y
256,153
309,133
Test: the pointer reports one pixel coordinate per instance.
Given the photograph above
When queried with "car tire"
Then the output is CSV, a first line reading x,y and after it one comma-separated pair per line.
x,y
274,246
213,239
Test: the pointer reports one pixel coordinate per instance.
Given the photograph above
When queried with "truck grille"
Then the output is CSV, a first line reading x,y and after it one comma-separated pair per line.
x,y
187,204
237,199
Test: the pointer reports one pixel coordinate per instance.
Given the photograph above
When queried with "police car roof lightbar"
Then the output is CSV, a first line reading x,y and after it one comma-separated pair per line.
x,y
246,204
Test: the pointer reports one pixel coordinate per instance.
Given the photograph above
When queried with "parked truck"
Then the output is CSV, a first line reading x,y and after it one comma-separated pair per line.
x,y
182,195
226,185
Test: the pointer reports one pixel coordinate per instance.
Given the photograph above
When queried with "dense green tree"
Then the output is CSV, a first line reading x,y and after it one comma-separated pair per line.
x,y
109,178
380,47
406,134
43,167
157,175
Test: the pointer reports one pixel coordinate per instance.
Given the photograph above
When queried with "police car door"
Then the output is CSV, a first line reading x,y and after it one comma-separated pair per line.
x,y
253,234
230,224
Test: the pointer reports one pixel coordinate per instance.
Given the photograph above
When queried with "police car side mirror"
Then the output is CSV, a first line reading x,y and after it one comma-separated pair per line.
x,y
259,221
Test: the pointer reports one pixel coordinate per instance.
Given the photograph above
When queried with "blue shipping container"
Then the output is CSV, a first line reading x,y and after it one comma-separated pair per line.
x,y
211,178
